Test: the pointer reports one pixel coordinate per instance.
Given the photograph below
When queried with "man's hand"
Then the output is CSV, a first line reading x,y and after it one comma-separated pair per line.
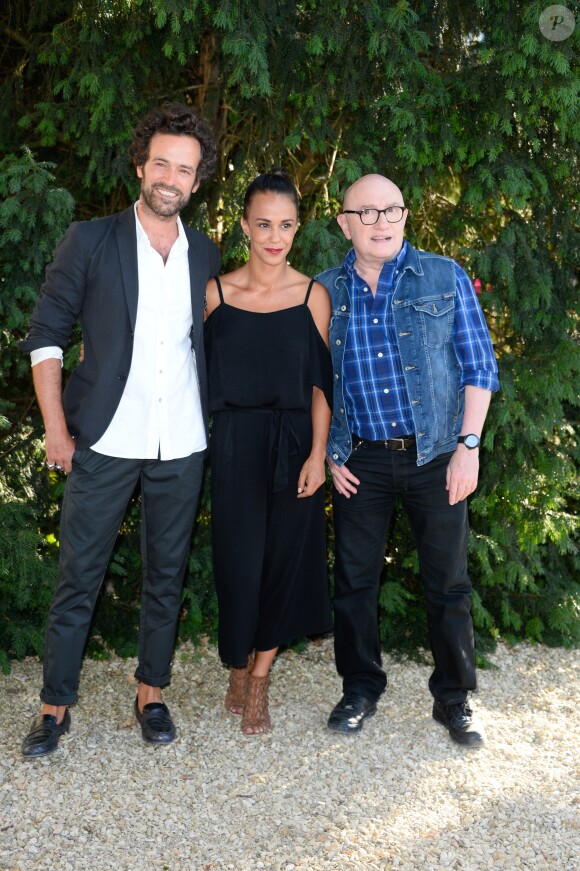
x,y
344,481
462,473
60,448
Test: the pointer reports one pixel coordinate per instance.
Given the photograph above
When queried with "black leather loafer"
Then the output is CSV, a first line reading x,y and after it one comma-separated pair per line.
x,y
44,735
350,713
157,727
462,725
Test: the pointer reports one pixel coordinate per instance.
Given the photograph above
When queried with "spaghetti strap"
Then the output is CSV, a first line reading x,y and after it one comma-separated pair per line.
x,y
219,287
312,280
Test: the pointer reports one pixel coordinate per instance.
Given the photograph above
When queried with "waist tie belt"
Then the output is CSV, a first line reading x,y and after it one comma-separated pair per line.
x,y
402,444
283,441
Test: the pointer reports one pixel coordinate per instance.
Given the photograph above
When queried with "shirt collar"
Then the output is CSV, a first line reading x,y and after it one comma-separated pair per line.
x,y
398,261
181,244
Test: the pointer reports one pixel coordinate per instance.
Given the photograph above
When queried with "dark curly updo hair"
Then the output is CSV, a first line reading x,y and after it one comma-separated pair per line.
x,y
176,120
277,181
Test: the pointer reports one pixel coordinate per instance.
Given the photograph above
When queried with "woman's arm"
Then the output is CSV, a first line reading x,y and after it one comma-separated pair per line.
x,y
313,475
319,305
212,298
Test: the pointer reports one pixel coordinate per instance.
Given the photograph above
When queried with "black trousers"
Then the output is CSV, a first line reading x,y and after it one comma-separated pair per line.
x,y
361,524
96,496
269,550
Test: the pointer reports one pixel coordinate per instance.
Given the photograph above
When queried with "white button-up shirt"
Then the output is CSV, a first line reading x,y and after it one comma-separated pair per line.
x,y
159,415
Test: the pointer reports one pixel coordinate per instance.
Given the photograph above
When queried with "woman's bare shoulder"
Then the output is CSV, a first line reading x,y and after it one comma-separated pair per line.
x,y
235,280
212,297
319,292
231,283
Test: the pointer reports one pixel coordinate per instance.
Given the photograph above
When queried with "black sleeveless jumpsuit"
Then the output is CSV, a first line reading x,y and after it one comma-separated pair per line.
x,y
269,552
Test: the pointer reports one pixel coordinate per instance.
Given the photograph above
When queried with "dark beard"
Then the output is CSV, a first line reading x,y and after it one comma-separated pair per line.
x,y
158,206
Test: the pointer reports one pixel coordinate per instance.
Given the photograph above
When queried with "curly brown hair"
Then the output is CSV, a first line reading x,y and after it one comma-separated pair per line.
x,y
176,120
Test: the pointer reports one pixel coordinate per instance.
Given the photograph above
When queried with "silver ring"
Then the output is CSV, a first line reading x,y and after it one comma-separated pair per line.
x,y
50,465
58,468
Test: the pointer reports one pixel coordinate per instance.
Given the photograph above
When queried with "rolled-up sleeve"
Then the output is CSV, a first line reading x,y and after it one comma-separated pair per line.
x,y
471,338
42,354
61,296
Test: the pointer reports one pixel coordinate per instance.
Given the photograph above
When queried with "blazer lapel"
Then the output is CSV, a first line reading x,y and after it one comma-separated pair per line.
x,y
126,234
127,245
197,268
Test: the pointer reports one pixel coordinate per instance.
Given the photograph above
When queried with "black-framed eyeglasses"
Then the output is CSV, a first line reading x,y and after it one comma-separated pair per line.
x,y
393,214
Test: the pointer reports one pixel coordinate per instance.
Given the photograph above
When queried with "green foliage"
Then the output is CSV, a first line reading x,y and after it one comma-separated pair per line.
x,y
199,609
466,105
27,578
33,216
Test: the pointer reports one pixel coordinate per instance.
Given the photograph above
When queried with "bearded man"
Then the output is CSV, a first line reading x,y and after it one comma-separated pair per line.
x,y
133,412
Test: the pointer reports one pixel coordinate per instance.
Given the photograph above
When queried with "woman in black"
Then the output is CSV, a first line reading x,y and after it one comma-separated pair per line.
x,y
270,391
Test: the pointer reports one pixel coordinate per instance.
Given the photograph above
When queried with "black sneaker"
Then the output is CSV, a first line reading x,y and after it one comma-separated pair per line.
x,y
348,716
462,725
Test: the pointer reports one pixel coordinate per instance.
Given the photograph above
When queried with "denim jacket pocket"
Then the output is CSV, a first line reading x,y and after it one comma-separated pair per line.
x,y
435,317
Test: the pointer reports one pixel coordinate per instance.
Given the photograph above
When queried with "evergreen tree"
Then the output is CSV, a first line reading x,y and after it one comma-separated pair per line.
x,y
467,106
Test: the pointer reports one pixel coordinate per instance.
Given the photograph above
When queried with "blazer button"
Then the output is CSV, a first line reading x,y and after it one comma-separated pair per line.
x,y
122,377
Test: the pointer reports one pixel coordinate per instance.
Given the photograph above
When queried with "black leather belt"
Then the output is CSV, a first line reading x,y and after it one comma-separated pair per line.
x,y
402,444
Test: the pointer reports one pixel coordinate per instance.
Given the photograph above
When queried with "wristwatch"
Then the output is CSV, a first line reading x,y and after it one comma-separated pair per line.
x,y
470,441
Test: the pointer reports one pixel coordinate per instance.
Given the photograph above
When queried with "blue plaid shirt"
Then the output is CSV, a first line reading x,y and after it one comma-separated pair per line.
x,y
376,400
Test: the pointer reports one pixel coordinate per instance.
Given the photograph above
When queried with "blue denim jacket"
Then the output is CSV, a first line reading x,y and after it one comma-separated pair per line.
x,y
423,310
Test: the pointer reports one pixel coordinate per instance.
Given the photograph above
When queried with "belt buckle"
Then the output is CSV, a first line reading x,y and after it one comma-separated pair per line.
x,y
402,440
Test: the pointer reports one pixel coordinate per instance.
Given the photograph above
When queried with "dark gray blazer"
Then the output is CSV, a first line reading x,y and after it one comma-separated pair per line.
x,y
94,278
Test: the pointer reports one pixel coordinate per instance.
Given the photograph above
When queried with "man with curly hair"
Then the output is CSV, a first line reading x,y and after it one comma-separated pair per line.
x,y
134,412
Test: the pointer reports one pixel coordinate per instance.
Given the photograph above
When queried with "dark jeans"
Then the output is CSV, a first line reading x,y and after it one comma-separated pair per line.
x,y
361,524
96,496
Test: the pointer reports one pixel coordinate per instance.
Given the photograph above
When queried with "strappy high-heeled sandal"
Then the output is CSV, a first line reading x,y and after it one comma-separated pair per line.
x,y
256,714
236,694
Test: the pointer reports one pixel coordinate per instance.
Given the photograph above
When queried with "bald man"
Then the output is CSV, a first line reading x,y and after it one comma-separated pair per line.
x,y
414,371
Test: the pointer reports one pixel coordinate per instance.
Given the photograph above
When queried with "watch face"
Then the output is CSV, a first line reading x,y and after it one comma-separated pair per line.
x,y
471,441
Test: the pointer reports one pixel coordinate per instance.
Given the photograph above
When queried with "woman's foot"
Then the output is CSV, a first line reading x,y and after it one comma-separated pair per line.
x,y
256,719
236,694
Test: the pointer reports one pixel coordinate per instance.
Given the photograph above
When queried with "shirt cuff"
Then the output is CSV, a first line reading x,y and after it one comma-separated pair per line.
x,y
485,380
49,353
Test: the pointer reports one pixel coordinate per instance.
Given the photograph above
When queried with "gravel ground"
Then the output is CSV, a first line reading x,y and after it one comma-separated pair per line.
x,y
399,795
